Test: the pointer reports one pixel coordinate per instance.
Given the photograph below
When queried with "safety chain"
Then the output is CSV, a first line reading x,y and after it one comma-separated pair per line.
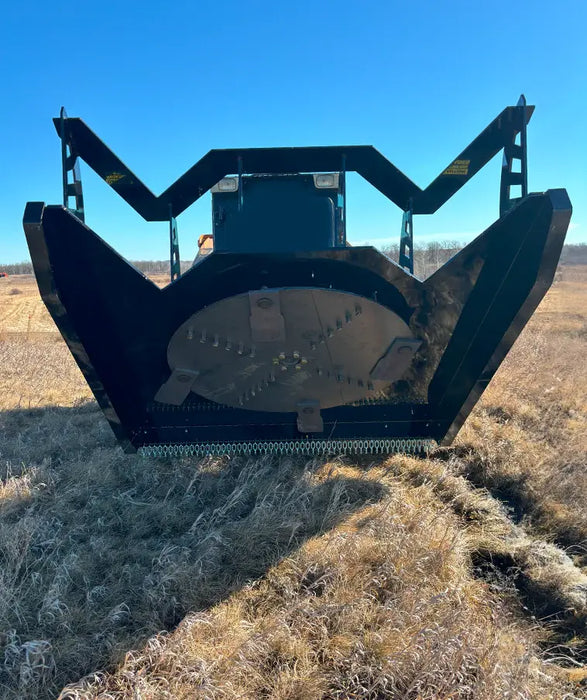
x,y
289,447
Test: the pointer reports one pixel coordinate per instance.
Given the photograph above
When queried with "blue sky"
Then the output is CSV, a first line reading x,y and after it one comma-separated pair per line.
x,y
162,83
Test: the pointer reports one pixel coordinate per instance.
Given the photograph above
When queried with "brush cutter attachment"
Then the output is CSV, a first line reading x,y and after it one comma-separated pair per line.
x,y
282,338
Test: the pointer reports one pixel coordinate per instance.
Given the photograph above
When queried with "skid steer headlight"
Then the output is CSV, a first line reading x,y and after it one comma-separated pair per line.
x,y
326,180
227,184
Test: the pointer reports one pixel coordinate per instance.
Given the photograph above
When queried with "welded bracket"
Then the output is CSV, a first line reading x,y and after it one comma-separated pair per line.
x,y
266,319
72,182
513,153
406,243
174,261
394,364
176,389
309,418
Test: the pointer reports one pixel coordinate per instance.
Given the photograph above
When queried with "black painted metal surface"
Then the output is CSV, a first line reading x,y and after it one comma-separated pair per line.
x,y
192,364
365,160
278,213
118,324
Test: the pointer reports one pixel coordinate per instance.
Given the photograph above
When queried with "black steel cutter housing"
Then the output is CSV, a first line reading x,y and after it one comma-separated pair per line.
x,y
262,346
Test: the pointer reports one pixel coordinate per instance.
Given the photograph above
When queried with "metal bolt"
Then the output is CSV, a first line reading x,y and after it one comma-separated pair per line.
x,y
216,342
358,310
241,348
338,324
348,317
329,332
281,356
296,355
284,368
370,386
253,351
312,345
228,345
271,377
319,371
190,334
304,361
339,378
275,360
203,337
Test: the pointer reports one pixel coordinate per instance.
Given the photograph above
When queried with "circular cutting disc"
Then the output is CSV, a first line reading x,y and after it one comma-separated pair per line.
x,y
271,349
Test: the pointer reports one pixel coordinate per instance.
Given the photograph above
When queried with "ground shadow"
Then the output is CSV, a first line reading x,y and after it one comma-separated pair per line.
x,y
507,576
119,547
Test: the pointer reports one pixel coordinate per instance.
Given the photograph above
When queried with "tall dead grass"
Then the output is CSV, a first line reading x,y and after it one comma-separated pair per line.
x,y
527,441
382,606
280,578
103,550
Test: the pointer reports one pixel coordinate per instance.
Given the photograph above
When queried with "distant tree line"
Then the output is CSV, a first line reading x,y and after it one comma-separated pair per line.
x,y
158,267
428,257
21,268
574,254
149,267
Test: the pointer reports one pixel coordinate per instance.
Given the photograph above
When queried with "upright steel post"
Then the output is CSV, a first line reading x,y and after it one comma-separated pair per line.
x,y
174,261
240,183
406,244
343,190
513,152
69,164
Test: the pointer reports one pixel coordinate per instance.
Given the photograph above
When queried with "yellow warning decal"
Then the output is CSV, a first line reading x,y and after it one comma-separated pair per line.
x,y
458,167
113,178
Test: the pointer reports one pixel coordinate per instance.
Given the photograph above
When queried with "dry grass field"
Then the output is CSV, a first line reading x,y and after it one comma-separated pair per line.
x,y
461,576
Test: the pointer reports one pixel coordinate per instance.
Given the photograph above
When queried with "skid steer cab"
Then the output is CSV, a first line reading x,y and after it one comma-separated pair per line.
x,y
283,212
280,337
